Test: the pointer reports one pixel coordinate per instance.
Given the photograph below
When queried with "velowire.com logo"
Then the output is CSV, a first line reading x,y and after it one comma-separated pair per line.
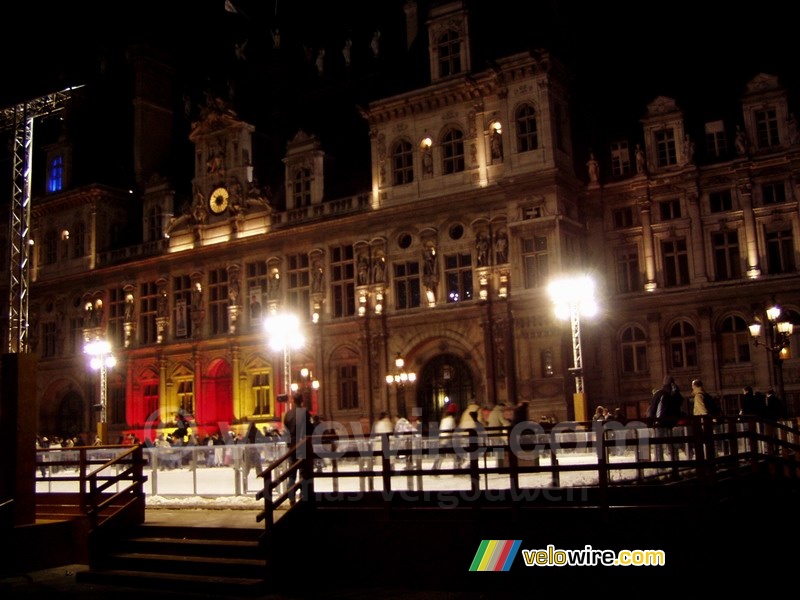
x,y
495,555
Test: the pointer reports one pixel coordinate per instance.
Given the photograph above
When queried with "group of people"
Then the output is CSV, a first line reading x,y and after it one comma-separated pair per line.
x,y
666,404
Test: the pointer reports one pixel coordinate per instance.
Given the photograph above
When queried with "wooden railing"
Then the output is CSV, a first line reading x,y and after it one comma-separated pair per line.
x,y
603,456
109,482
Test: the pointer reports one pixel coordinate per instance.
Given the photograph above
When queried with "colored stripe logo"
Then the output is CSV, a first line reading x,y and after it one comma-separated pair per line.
x,y
495,555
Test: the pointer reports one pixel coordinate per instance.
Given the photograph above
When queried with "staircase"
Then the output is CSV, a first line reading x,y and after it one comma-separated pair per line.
x,y
210,560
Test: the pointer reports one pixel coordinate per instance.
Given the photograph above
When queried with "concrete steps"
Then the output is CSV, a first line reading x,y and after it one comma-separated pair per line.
x,y
210,560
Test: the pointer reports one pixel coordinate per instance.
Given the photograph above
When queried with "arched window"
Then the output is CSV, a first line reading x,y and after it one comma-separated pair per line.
x,y
402,163
633,344
527,138
735,341
449,46
682,345
302,188
452,151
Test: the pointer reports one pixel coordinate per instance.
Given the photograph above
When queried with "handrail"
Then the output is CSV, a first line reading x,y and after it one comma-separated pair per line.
x,y
704,449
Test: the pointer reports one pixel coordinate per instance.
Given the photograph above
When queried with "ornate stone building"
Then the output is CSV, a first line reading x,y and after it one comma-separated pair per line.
x,y
475,203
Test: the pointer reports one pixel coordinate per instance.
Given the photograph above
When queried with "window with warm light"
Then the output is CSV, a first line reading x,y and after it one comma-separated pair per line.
x,y
261,390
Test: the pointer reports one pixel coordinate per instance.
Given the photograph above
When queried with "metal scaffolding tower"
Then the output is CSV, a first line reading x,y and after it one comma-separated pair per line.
x,y
19,118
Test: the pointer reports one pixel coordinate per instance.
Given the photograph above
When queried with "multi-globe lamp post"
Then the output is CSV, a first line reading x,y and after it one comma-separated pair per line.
x,y
101,358
574,297
285,335
777,332
398,379
307,385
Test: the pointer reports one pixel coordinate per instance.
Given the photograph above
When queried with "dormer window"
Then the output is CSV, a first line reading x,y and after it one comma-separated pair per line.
x,y
55,174
716,142
766,128
302,188
620,158
449,47
527,137
665,148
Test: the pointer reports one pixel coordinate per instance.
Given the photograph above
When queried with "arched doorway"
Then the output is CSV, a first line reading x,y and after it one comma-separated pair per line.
x,y
446,379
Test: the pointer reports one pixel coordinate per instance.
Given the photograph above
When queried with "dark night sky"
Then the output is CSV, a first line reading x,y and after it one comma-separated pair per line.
x,y
624,54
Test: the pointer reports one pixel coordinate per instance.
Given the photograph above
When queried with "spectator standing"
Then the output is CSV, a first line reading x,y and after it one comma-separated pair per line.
x,y
298,425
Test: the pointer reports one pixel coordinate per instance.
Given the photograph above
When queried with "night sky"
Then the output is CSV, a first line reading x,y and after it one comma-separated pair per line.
x,y
623,54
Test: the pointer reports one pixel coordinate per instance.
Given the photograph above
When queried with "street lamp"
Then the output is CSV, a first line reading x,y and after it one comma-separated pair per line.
x,y
573,297
776,342
100,359
399,379
284,335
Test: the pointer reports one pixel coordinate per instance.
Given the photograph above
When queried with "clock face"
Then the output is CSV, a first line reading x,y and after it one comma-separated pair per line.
x,y
218,201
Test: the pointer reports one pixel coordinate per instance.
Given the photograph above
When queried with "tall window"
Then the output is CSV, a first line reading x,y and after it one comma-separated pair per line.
x,y
186,396
148,311
665,148
55,174
536,261
766,128
402,163
716,141
50,248
343,281
773,193
735,341
154,225
49,339
727,263
116,317
348,387
218,300
78,239
458,276
256,281
449,46
453,152
76,336
622,217
406,285
298,291
780,251
150,399
633,345
670,209
620,158
527,137
182,294
682,345
720,201
676,262
629,278
302,188
261,394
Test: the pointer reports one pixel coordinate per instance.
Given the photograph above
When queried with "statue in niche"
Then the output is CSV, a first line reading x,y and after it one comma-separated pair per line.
x,y
501,248
378,269
482,250
594,169
363,270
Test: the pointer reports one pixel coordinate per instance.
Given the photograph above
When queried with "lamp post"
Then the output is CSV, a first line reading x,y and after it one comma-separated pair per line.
x,y
284,335
572,298
308,383
399,379
777,332
101,359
